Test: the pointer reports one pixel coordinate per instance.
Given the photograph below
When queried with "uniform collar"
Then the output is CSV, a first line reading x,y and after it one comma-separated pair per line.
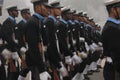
x,y
113,20
63,20
119,21
81,22
53,18
89,26
24,20
76,21
11,18
39,16
71,22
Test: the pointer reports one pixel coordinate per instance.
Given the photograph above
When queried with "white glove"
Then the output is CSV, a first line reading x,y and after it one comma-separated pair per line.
x,y
16,41
74,42
109,59
82,39
87,47
83,54
15,56
92,48
63,70
21,77
68,45
44,76
0,63
44,48
6,54
100,44
76,59
23,49
95,46
68,60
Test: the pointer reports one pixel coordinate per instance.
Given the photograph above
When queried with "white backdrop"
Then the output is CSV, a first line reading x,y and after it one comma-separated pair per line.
x,y
94,8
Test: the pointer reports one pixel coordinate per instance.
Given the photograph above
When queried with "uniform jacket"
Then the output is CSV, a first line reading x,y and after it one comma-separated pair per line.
x,y
21,33
63,36
33,37
110,38
9,31
53,52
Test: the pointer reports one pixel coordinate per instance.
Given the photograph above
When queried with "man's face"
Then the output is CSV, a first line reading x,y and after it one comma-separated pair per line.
x,y
114,13
80,18
44,10
118,10
57,11
26,15
70,16
15,13
76,17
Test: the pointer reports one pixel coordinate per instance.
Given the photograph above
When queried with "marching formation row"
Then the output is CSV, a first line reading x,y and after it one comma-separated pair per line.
x,y
55,43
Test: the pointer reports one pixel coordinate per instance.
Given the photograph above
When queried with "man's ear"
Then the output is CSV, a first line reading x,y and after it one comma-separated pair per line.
x,y
9,12
38,7
112,10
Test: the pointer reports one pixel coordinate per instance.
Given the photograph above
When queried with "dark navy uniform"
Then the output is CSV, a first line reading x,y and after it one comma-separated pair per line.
x,y
21,31
34,37
71,29
9,28
22,42
62,37
77,34
111,47
54,54
33,57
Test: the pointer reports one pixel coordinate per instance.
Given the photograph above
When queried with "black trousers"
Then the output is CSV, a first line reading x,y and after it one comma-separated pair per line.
x,y
34,59
34,63
24,72
13,75
109,71
2,73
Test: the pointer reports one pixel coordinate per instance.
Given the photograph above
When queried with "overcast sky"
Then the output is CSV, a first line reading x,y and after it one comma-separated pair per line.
x,y
94,8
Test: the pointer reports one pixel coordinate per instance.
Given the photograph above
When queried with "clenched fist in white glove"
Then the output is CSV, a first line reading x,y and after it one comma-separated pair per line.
x,y
63,70
23,49
68,60
44,48
76,59
82,39
91,47
74,42
44,76
15,56
6,54
83,54
109,60
100,44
